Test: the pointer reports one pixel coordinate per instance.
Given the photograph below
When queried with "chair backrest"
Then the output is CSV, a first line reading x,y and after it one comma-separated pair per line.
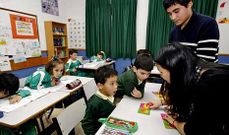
x,y
90,88
70,117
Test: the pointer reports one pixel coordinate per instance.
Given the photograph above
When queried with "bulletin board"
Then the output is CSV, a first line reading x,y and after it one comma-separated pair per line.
x,y
18,34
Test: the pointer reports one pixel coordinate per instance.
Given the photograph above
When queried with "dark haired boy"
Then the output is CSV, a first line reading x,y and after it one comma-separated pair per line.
x,y
101,104
132,82
73,63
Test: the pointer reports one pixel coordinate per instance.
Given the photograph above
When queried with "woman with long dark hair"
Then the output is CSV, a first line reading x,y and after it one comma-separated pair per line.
x,y
194,90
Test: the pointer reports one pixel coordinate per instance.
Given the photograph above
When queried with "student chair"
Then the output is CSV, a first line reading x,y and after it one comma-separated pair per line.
x,y
67,119
70,117
90,88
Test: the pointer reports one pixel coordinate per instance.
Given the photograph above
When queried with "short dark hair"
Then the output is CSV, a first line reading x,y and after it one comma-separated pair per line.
x,y
101,53
141,51
169,3
9,83
103,73
144,61
51,64
72,51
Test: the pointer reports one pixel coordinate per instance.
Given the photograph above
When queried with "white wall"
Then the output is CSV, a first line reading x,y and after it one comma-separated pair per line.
x,y
142,15
34,7
223,27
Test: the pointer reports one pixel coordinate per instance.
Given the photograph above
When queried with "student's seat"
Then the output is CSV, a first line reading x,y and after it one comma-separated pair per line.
x,y
67,119
70,117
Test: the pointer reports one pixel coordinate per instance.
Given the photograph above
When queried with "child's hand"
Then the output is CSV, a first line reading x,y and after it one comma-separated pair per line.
x,y
136,93
74,70
54,81
15,98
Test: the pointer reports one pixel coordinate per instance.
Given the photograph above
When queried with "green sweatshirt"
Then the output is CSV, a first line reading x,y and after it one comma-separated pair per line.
x,y
38,80
96,108
126,83
70,65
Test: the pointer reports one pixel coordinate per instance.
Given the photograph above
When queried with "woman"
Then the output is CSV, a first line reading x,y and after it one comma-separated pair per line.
x,y
195,92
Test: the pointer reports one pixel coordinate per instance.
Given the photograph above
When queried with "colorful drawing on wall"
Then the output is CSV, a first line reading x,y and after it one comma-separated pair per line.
x,y
50,7
4,63
223,15
76,34
18,34
23,27
5,34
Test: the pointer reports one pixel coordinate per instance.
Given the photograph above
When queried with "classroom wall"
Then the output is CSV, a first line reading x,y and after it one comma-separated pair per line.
x,y
34,7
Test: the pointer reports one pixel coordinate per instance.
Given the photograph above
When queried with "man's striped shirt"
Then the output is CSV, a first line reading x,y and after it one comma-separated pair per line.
x,y
201,34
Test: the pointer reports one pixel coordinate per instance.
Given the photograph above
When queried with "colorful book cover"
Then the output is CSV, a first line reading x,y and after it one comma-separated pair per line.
x,y
114,131
166,123
144,108
121,124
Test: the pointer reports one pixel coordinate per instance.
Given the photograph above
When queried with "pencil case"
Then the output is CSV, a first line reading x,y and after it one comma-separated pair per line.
x,y
120,124
73,84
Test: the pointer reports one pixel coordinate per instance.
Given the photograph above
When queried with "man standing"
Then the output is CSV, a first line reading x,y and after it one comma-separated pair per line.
x,y
194,30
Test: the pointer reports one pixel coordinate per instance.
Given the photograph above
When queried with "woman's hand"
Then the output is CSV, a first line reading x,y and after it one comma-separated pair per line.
x,y
155,104
15,98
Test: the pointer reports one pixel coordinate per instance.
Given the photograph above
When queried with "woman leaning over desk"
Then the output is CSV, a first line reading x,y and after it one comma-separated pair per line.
x,y
195,92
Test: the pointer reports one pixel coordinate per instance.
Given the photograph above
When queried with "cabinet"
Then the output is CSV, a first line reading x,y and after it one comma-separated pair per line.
x,y
56,40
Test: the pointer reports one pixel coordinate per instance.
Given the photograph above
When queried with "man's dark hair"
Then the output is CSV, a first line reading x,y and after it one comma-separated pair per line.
x,y
103,73
144,61
169,3
9,83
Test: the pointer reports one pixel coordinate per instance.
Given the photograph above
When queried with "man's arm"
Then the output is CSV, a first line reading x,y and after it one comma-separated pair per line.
x,y
207,46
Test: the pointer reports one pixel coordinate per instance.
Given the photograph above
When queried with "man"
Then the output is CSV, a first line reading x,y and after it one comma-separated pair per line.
x,y
196,31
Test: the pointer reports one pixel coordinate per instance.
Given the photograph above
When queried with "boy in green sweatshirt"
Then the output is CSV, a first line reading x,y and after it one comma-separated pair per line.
x,y
101,104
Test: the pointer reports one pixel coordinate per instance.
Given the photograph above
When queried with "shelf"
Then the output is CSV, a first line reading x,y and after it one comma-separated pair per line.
x,y
60,35
56,39
60,46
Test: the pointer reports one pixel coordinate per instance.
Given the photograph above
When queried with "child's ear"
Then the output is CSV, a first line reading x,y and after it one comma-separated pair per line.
x,y
134,69
100,86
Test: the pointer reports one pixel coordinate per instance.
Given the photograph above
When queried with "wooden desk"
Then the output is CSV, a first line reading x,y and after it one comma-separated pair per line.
x,y
127,109
31,110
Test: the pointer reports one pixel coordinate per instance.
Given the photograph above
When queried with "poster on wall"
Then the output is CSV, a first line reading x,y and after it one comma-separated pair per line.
x,y
18,34
50,7
4,63
76,32
23,27
223,11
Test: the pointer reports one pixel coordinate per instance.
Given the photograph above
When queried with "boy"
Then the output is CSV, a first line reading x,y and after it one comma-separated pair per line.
x,y
194,30
9,85
100,56
72,64
132,82
101,104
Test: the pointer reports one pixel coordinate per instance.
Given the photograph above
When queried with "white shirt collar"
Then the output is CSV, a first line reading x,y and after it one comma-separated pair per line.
x,y
111,98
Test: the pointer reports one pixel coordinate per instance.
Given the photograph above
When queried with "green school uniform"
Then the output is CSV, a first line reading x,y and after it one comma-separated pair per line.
x,y
38,80
25,129
97,108
71,64
95,58
126,83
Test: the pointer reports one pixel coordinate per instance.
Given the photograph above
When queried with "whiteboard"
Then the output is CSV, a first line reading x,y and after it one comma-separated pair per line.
x,y
23,41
